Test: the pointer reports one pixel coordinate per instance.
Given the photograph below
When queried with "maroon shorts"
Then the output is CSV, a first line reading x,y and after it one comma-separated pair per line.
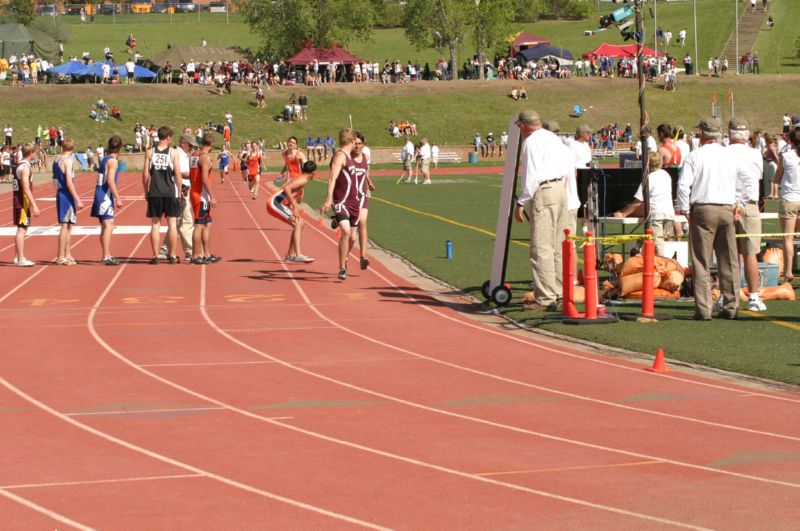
x,y
347,211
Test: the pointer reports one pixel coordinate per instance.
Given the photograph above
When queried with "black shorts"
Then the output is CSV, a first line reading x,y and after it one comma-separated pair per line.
x,y
163,206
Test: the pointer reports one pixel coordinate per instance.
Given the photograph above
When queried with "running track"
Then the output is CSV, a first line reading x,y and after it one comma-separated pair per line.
x,y
257,394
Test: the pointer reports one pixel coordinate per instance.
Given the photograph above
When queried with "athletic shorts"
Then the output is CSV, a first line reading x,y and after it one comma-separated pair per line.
x,y
365,201
22,217
66,208
157,207
278,207
202,214
252,177
347,212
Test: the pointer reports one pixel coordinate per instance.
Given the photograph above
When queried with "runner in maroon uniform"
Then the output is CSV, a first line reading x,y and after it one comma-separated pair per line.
x,y
343,196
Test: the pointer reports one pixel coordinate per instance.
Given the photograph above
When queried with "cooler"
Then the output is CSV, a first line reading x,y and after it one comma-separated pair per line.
x,y
767,275
473,157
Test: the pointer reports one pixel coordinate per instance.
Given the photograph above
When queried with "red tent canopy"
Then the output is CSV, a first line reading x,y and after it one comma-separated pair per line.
x,y
323,55
525,41
618,50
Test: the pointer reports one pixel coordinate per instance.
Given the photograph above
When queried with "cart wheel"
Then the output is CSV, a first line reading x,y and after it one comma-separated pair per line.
x,y
485,291
501,295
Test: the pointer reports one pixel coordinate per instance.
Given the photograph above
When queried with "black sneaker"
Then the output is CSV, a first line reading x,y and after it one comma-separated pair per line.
x,y
154,260
198,261
364,262
212,259
174,260
110,261
342,274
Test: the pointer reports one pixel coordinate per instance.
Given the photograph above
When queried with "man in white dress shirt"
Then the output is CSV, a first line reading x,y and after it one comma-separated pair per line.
x,y
707,195
748,181
544,168
582,151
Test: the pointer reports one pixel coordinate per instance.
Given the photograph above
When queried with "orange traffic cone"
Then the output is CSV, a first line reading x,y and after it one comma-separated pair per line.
x,y
338,233
659,365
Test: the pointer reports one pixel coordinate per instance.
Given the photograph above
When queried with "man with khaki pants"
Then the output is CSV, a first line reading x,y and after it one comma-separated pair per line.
x,y
186,219
707,196
543,186
751,167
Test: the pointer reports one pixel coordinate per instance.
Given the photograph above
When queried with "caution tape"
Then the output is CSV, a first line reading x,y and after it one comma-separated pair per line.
x,y
611,240
769,235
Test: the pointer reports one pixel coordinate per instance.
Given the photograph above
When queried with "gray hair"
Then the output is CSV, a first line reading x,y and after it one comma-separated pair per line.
x,y
713,136
739,135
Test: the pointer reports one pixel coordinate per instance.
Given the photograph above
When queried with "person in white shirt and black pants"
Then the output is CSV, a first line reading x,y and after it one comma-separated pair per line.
x,y
546,163
707,196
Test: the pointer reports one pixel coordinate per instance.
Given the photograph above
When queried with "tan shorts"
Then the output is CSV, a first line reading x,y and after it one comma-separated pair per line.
x,y
789,209
661,229
749,224
424,165
407,164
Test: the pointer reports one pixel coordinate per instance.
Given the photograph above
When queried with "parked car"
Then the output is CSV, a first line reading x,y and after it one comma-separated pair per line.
x,y
141,7
48,10
158,8
109,9
217,7
184,7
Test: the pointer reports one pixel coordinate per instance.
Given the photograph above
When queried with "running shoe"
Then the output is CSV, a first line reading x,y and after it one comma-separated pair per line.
x,y
25,263
364,262
290,258
174,260
303,259
755,304
342,274
212,259
110,261
154,260
67,262
198,261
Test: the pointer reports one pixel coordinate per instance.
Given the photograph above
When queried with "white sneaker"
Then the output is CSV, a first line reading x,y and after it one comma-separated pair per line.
x,y
25,263
755,304
303,259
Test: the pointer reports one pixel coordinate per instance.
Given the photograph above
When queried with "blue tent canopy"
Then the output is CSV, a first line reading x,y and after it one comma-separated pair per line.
x,y
77,68
544,52
74,68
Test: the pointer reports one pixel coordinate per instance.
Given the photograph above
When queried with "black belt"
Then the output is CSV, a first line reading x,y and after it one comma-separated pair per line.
x,y
711,204
550,181
752,202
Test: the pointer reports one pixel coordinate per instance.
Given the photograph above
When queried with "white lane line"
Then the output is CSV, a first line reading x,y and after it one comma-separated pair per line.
x,y
142,411
467,417
44,510
222,479
98,481
43,268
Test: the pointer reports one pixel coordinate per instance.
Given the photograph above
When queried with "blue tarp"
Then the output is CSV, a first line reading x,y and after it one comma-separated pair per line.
x,y
74,68
543,51
77,68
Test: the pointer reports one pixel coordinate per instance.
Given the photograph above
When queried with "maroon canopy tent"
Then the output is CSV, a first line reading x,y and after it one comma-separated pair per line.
x,y
618,50
525,41
323,55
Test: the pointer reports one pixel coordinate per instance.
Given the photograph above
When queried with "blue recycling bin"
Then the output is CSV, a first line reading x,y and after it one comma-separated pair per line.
x,y
473,157
122,166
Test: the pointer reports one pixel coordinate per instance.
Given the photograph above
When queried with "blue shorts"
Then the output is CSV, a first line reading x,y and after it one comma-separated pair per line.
x,y
102,206
66,208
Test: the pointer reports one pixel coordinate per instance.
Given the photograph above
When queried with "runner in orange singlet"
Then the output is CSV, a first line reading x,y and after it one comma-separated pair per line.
x,y
293,160
254,168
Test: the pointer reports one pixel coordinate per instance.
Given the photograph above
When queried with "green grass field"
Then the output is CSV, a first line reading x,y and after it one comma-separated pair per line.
x,y
715,20
401,220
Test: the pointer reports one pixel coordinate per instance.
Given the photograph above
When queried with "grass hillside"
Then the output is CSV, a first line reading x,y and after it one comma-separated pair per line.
x,y
448,113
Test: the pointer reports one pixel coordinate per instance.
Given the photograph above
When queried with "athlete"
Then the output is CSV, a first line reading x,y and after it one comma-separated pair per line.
x,y
244,153
293,160
202,199
343,194
365,187
286,206
162,184
68,202
24,203
254,169
224,163
107,199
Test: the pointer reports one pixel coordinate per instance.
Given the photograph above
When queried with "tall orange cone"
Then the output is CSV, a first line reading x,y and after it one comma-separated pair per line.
x,y
338,233
659,365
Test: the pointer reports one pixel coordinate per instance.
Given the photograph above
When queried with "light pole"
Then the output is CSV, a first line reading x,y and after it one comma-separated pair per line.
x,y
736,61
643,119
655,27
696,53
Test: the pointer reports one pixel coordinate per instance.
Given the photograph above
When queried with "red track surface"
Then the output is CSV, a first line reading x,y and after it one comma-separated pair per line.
x,y
257,394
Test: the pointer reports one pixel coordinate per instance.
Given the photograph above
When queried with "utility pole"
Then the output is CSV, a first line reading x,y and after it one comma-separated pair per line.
x,y
696,53
478,40
736,60
643,119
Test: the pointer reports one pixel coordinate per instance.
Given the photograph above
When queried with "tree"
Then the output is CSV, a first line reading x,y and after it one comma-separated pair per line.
x,y
492,24
22,11
438,24
288,25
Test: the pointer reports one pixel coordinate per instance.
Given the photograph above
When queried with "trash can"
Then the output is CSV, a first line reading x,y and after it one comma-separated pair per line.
x,y
473,157
122,166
